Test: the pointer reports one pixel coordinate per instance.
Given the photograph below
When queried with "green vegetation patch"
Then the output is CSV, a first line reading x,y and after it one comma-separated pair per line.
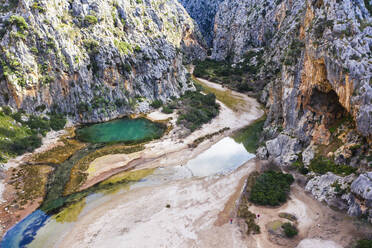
x,y
198,109
369,7
248,217
90,20
199,140
19,21
19,135
250,135
123,47
290,230
364,243
323,165
225,96
288,216
69,207
236,76
156,104
60,153
271,188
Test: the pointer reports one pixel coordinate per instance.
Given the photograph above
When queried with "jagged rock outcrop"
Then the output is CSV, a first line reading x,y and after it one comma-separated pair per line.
x,y
362,187
283,149
333,190
203,12
93,59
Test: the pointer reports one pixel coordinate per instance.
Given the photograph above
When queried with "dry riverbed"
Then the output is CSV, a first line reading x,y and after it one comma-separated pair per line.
x,y
169,150
196,212
173,149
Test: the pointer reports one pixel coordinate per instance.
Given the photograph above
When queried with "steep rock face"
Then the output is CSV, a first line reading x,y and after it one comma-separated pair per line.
x,y
241,25
94,60
203,12
316,53
315,71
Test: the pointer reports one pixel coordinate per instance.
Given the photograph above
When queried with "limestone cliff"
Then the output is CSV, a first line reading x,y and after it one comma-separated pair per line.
x,y
203,12
313,60
94,60
310,46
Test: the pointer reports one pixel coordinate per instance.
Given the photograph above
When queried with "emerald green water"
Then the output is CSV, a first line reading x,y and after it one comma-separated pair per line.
x,y
121,130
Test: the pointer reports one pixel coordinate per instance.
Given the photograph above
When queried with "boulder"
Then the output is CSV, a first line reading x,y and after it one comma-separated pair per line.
x,y
362,187
283,149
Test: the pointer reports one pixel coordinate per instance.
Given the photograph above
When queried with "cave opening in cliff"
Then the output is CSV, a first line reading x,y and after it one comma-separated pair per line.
x,y
327,105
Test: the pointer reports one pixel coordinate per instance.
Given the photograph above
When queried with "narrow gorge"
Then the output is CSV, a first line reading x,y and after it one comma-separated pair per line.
x,y
190,123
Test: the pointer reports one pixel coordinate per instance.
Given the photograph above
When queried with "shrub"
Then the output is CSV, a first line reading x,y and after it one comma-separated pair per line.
x,y
36,6
303,170
167,110
369,8
38,125
271,188
82,107
7,110
137,48
40,108
91,45
19,21
90,20
123,47
197,109
156,104
57,122
289,230
27,144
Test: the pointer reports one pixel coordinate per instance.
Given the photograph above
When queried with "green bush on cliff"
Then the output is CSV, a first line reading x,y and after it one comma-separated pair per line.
x,y
19,21
90,20
323,165
271,188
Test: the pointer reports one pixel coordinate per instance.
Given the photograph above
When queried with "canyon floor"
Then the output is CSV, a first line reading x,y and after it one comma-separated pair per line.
x,y
196,212
198,215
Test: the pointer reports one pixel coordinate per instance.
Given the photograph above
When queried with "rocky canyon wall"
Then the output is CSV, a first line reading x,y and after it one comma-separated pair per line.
x,y
314,64
94,60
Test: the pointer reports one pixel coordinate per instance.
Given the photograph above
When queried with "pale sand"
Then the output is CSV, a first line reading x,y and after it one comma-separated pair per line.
x,y
199,215
117,160
318,243
140,218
